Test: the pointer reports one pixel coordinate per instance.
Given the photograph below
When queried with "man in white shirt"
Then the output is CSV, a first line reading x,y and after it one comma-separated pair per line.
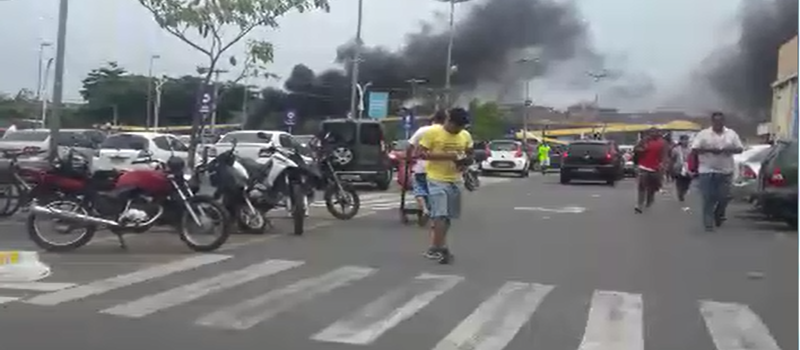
x,y
715,147
420,181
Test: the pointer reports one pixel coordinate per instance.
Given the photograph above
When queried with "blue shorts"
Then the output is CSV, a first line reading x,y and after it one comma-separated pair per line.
x,y
420,185
444,199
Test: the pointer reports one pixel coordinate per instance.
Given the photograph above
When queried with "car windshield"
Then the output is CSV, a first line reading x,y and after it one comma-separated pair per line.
x,y
303,139
125,141
503,146
27,135
400,145
244,137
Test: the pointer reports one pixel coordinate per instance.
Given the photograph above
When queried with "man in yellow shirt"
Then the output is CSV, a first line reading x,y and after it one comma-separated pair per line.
x,y
446,149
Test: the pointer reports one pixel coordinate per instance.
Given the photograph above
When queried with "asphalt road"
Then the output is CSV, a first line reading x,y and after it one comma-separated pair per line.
x,y
538,265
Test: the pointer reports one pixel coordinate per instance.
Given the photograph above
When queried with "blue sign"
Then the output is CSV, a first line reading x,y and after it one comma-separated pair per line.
x,y
378,105
290,119
408,121
794,119
206,100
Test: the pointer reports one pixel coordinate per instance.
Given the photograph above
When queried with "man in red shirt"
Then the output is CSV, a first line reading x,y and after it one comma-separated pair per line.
x,y
652,152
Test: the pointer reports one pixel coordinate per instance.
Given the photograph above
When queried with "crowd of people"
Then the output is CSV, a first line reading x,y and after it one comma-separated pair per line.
x,y
707,158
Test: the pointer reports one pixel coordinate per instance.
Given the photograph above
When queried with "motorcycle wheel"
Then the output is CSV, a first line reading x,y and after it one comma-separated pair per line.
x,y
220,222
36,236
12,195
249,224
298,208
332,198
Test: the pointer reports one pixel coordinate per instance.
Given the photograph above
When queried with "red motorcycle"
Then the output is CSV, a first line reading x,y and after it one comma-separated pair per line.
x,y
137,201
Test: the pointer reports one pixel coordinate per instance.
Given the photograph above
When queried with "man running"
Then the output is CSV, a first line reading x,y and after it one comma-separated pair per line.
x,y
444,147
420,182
544,156
715,147
651,156
680,168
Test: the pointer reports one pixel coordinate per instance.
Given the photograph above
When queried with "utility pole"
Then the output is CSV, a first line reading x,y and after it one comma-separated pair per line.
x,y
43,96
58,84
157,107
528,102
150,91
597,76
449,68
354,88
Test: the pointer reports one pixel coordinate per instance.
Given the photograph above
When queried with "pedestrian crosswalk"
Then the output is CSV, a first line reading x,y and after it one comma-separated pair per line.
x,y
391,200
613,319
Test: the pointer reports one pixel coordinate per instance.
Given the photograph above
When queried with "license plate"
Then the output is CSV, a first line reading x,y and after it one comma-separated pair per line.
x,y
585,170
504,165
9,258
117,160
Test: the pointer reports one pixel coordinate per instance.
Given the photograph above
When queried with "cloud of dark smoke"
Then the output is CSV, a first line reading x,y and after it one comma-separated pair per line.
x,y
742,74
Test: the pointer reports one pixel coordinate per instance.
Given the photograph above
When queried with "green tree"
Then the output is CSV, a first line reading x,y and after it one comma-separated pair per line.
x,y
487,122
214,21
111,92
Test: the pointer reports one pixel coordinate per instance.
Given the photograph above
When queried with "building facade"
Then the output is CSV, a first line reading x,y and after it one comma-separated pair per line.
x,y
784,92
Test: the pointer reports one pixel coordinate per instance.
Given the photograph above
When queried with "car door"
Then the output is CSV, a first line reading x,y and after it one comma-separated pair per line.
x,y
370,149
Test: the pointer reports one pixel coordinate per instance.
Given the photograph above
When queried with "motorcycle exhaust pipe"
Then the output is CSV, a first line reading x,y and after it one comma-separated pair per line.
x,y
69,215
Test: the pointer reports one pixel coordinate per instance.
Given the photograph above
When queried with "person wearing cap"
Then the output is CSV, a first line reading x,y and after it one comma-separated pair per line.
x,y
445,147
651,154
420,182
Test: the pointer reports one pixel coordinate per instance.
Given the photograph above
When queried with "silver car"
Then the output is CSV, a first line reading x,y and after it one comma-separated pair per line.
x,y
748,164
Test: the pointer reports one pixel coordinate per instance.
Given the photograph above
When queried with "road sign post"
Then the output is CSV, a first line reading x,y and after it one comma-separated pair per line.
x,y
290,120
378,104
408,123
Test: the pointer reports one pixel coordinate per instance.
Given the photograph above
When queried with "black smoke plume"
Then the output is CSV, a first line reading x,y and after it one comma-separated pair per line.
x,y
742,75
489,40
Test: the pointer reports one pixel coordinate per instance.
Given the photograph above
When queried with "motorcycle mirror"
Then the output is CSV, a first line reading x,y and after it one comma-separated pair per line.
x,y
262,135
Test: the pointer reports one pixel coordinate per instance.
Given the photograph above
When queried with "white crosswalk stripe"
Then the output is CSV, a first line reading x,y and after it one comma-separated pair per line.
x,y
391,200
614,319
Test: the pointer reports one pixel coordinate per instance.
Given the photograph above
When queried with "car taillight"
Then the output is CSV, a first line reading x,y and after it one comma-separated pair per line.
x,y
392,156
564,155
608,157
30,149
776,179
748,173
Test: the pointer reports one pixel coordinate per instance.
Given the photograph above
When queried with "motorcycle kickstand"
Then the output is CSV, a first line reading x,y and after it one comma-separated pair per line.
x,y
122,244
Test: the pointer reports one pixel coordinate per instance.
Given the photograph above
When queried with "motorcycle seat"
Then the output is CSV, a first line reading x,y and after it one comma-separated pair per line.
x,y
255,170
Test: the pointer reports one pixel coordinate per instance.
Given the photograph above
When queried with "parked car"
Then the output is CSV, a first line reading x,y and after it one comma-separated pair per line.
x,y
506,156
303,139
84,141
598,160
777,182
359,151
748,165
119,151
249,145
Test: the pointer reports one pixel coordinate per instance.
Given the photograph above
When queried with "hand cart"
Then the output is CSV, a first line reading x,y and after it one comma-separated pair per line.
x,y
405,180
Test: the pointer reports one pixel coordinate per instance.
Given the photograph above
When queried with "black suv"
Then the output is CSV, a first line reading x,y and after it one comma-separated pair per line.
x,y
591,160
359,150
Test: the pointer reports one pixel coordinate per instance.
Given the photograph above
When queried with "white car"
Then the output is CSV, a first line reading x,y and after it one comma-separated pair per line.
x,y
35,140
506,156
748,165
249,145
119,151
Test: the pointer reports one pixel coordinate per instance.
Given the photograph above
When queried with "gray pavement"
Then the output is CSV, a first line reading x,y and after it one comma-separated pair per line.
x,y
539,265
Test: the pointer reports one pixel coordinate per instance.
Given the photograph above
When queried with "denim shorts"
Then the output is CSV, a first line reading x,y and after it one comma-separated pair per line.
x,y
444,199
420,185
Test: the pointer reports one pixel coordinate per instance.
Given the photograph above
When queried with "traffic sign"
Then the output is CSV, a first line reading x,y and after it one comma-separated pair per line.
x,y
290,119
408,121
206,100
378,104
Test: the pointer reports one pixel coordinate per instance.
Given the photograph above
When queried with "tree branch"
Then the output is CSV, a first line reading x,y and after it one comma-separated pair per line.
x,y
174,31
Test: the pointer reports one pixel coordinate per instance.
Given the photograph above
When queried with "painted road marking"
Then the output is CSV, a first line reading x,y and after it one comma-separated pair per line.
x,y
251,312
36,286
615,322
109,284
370,322
4,300
199,289
736,327
498,319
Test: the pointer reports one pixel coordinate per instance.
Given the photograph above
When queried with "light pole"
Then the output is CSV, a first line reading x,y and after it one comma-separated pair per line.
x,y
58,84
528,102
449,67
44,91
356,60
150,90
597,76
39,74
157,107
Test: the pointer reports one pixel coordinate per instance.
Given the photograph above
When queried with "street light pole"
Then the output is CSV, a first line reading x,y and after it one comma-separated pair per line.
x,y
58,84
157,107
597,76
44,91
449,67
356,61
150,90
39,82
528,102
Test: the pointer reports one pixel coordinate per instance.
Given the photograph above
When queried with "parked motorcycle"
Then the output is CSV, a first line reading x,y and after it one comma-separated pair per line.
x,y
138,201
338,195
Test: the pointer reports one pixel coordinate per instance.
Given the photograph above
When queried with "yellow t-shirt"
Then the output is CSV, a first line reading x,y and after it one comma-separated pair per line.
x,y
437,139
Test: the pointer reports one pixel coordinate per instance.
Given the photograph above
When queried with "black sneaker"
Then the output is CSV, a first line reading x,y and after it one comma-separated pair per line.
x,y
445,257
